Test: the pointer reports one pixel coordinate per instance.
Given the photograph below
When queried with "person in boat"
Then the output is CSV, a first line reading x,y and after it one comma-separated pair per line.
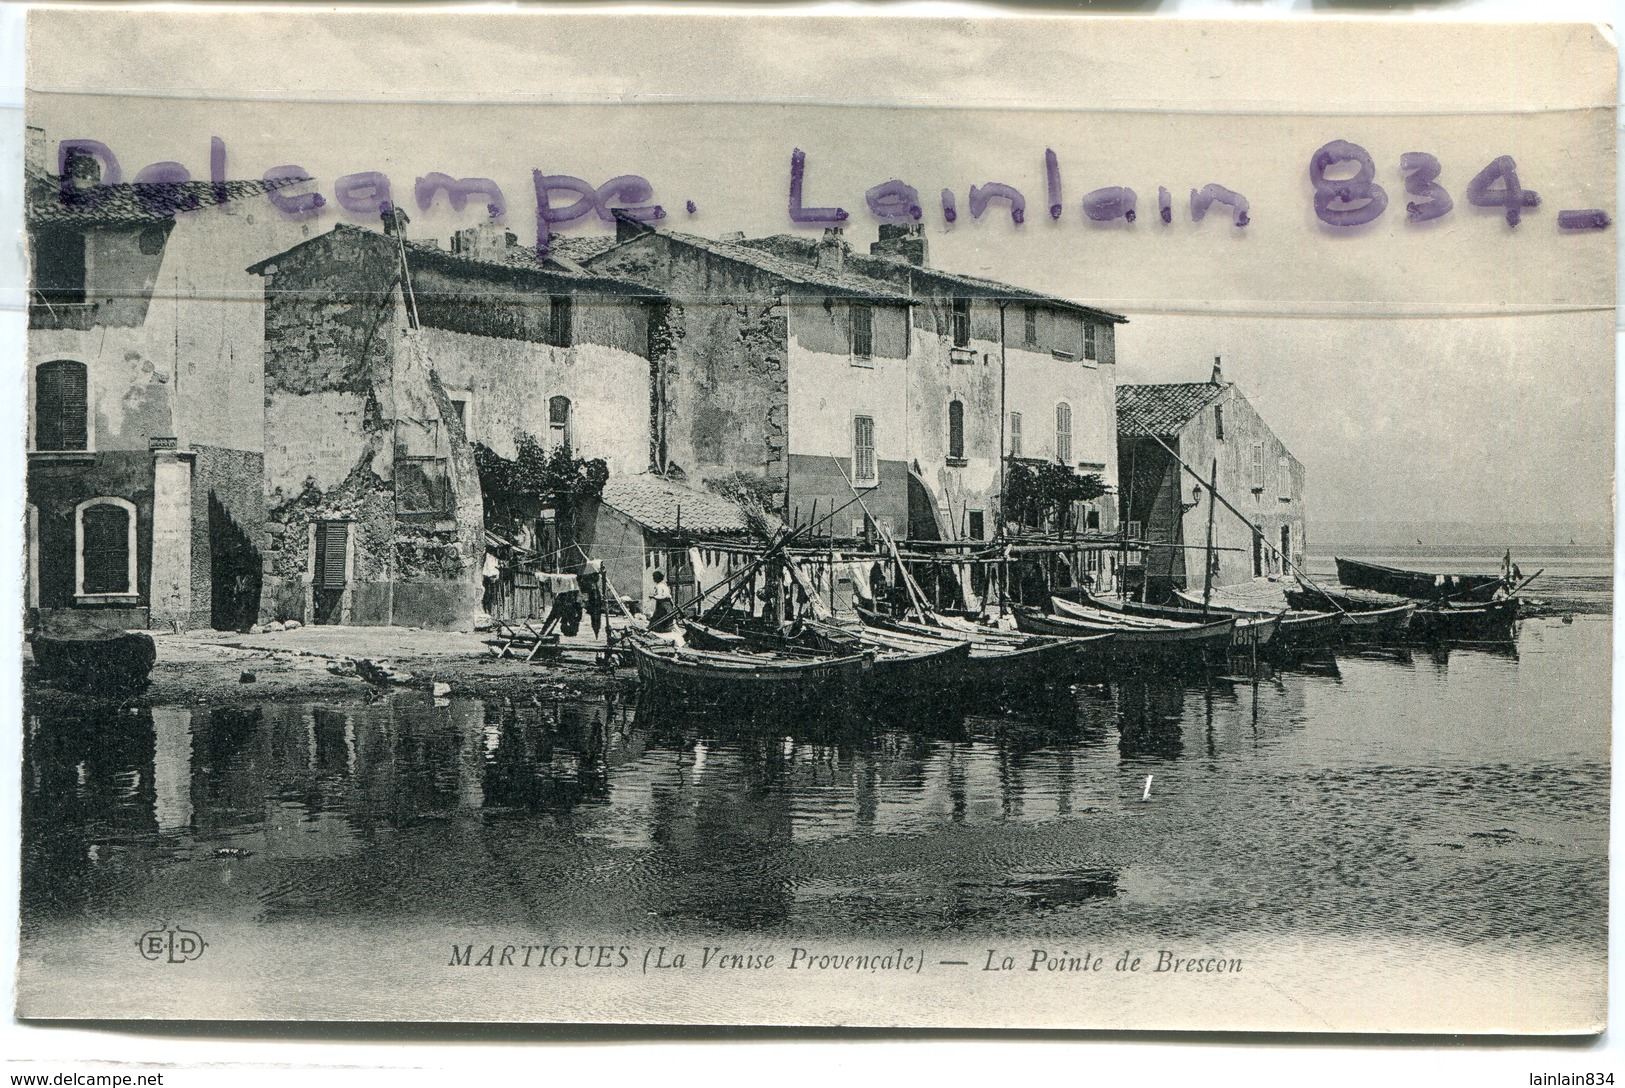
x,y
664,611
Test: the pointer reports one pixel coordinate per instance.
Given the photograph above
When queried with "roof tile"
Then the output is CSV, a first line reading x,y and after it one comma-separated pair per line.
x,y
665,505
1162,409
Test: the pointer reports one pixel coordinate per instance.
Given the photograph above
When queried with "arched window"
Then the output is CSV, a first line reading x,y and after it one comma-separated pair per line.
x,y
61,406
558,422
956,429
1063,433
105,557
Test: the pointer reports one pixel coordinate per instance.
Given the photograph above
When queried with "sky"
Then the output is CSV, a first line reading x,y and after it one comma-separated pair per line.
x,y
1455,370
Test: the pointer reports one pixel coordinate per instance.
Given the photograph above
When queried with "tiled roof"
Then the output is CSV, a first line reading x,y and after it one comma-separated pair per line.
x,y
133,203
579,248
789,246
1162,409
661,504
519,259
784,268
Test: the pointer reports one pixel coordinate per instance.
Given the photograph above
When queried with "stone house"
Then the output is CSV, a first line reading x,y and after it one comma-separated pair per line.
x,y
377,385
992,368
1164,504
145,399
796,373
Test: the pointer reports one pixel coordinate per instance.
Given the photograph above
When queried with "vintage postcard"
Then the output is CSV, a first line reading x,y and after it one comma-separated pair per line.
x,y
991,521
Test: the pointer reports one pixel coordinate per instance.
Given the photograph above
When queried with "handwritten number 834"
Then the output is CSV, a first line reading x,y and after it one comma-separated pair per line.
x,y
1356,200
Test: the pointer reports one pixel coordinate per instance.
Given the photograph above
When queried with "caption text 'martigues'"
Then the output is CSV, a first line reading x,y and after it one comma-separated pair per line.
x,y
656,958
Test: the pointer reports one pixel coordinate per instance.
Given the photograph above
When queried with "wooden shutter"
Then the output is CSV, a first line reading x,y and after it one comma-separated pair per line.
x,y
1063,433
961,322
1091,343
956,428
331,540
106,547
1108,344
1283,478
1258,466
60,406
863,330
561,321
1015,434
863,449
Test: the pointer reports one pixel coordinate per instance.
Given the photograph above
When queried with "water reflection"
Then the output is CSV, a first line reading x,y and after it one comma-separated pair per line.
x,y
640,814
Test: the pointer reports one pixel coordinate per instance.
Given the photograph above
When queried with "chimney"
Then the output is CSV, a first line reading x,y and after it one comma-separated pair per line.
x,y
34,154
486,241
1218,372
395,219
832,250
902,242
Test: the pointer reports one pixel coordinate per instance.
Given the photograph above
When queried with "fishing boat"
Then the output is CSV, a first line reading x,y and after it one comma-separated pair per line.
x,y
735,675
1302,631
1002,659
904,664
1251,630
1416,584
1379,624
1447,621
1134,638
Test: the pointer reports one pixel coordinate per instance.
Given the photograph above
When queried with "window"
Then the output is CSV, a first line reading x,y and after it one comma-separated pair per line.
x,y
956,430
864,469
59,266
422,484
863,330
561,321
61,406
1029,324
978,525
1283,479
1258,466
1090,341
459,405
106,555
1063,432
961,322
1218,422
1015,434
558,423
332,548
1286,545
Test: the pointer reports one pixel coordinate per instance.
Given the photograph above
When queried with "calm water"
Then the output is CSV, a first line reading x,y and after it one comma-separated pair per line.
x,y
1457,796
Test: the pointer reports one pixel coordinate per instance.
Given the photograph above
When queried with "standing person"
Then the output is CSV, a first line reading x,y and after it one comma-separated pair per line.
x,y
592,590
664,610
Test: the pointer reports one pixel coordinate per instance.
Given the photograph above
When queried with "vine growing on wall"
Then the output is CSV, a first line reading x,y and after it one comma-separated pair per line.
x,y
1042,493
534,478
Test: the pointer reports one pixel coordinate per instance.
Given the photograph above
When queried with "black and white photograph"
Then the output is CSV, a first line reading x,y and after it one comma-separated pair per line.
x,y
995,521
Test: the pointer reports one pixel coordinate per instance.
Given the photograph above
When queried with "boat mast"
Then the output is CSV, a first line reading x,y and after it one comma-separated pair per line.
x,y
1207,554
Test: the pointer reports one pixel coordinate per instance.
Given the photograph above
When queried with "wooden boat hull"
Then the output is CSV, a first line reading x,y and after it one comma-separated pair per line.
x,y
1417,584
903,666
1302,630
1378,625
1252,630
1492,621
111,663
1345,599
1187,644
1003,659
730,677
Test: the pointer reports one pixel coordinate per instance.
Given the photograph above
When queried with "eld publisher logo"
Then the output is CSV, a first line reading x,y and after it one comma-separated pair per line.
x,y
172,945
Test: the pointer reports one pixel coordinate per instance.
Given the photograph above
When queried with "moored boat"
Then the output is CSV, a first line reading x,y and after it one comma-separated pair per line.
x,y
1252,630
1416,584
1135,638
753,675
1004,659
1379,624
97,662
1446,621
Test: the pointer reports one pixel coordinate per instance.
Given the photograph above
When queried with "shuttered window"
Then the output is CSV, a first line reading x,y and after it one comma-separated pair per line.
x,y
1029,325
961,328
1283,478
1015,434
61,406
1091,350
561,321
1258,466
863,330
1063,433
105,548
864,469
956,429
558,422
332,540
